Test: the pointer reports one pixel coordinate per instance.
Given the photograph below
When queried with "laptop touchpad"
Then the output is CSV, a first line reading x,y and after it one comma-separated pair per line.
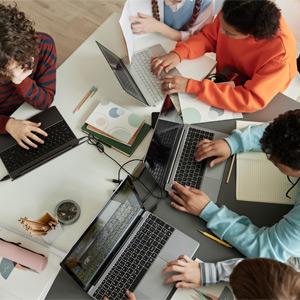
x,y
152,286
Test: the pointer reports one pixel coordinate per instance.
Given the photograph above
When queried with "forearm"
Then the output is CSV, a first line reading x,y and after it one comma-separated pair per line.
x,y
275,242
37,95
212,273
169,32
246,140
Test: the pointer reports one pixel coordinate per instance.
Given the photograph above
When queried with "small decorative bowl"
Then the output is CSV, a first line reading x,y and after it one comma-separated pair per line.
x,y
67,212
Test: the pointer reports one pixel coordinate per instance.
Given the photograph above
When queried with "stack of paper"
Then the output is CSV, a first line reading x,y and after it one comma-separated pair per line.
x,y
116,127
258,180
115,122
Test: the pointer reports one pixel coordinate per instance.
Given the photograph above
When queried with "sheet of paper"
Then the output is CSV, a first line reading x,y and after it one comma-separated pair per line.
x,y
194,111
131,9
126,29
16,284
258,180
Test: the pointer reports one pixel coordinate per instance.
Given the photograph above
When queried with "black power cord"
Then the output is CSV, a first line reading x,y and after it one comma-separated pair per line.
x,y
100,147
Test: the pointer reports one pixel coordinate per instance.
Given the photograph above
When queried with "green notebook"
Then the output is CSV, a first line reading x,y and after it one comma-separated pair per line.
x,y
125,149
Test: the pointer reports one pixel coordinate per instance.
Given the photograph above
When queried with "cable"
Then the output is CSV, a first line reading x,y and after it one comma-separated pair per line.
x,y
293,185
97,143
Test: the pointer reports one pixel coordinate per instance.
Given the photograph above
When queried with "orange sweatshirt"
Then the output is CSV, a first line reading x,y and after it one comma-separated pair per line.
x,y
269,63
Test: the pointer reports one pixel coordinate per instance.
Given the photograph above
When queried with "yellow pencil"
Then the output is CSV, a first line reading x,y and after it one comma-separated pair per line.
x,y
87,95
215,239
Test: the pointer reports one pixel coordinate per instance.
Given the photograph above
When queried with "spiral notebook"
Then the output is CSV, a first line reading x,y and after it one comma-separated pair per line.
x,y
258,180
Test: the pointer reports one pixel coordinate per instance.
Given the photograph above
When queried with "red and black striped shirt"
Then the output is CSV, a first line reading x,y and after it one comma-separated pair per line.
x,y
38,89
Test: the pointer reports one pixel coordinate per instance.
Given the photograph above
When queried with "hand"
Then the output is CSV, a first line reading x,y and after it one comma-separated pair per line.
x,y
166,62
188,199
218,149
23,132
129,295
18,73
144,24
188,272
174,84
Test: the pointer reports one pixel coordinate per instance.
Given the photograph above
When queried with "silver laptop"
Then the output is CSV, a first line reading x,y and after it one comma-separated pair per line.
x,y
136,78
126,247
170,155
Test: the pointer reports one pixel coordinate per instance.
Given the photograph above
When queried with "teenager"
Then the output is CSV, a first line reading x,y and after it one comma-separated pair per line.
x,y
254,48
174,19
250,279
27,74
280,140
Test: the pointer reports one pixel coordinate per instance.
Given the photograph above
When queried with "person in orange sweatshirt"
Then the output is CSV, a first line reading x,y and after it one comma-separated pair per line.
x,y
253,42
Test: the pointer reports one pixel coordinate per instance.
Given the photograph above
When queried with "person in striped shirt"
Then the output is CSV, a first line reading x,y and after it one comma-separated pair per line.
x,y
27,74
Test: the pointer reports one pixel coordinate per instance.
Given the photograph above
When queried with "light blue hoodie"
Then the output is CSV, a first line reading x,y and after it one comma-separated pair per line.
x,y
280,241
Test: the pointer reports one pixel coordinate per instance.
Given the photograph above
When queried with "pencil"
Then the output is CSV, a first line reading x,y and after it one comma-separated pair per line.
x,y
92,91
230,169
215,239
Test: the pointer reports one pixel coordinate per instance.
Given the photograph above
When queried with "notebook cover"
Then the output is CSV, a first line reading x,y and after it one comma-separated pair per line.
x,y
125,149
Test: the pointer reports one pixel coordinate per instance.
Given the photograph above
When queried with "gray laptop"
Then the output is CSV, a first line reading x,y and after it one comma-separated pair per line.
x,y
170,155
126,247
136,78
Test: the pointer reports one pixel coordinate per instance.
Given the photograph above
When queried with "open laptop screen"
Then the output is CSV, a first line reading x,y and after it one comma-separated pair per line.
x,y
95,247
164,141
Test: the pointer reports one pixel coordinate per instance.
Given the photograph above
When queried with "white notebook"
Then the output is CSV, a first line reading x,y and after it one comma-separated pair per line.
x,y
258,180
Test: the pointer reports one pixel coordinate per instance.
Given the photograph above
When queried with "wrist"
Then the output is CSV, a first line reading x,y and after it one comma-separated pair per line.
x,y
179,59
9,124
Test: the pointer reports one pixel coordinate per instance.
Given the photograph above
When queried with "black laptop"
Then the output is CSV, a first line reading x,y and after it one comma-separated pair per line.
x,y
60,139
170,155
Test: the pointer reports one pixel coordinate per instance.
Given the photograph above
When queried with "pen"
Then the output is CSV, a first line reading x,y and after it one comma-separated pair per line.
x,y
230,169
90,93
215,239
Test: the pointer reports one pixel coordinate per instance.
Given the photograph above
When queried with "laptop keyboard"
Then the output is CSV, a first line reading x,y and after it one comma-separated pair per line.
x,y
189,172
137,258
110,233
141,64
17,157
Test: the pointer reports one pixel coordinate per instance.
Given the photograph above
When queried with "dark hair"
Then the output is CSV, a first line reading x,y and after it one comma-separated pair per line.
x,y
18,39
262,278
260,18
196,12
298,63
281,139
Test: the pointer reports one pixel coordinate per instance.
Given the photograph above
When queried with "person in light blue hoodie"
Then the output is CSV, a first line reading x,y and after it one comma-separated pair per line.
x,y
280,140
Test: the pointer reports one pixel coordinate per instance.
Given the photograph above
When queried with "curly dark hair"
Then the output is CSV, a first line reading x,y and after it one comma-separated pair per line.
x,y
260,18
281,139
18,39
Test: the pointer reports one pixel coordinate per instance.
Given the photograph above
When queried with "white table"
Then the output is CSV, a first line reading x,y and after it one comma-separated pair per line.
x,y
82,174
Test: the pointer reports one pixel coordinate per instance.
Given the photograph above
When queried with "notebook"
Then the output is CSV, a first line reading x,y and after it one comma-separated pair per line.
x,y
127,150
115,122
258,180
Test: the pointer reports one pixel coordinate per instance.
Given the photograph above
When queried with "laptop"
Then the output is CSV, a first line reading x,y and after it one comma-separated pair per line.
x,y
60,139
126,247
170,156
136,78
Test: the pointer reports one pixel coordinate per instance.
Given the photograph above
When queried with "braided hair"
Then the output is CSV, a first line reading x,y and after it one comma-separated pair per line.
x,y
196,12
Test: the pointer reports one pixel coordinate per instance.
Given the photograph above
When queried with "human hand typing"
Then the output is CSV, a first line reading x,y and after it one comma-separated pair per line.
x,y
187,272
188,199
165,63
24,132
219,149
